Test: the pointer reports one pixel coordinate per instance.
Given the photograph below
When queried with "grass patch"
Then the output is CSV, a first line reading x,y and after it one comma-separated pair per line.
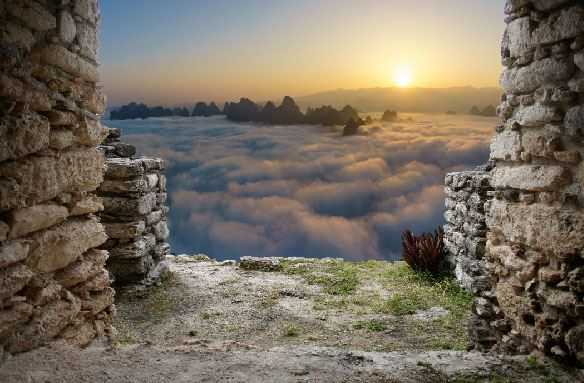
x,y
292,331
370,325
413,292
335,277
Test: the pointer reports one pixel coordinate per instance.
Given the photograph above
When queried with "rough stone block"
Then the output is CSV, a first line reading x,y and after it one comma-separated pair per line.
x,y
540,142
90,132
24,135
44,326
94,100
547,72
87,9
99,301
129,270
79,335
154,217
574,121
13,279
37,179
137,249
519,32
561,234
566,25
13,316
31,219
546,5
68,61
88,42
99,282
62,118
67,27
56,248
124,168
12,252
129,206
32,14
14,34
161,231
506,146
125,186
14,89
531,177
84,269
537,115
88,205
60,139
124,230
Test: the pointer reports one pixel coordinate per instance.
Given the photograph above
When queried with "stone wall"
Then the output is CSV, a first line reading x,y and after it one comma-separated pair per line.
x,y
53,284
535,247
465,232
134,196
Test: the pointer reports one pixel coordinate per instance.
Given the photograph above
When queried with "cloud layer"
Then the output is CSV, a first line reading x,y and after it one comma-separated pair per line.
x,y
244,189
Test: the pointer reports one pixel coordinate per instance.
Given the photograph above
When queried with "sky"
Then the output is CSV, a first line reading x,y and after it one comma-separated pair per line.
x,y
180,51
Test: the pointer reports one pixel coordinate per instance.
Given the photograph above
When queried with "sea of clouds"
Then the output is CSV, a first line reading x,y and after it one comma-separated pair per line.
x,y
249,189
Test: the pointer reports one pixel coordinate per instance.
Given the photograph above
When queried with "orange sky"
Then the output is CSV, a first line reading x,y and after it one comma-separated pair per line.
x,y
183,51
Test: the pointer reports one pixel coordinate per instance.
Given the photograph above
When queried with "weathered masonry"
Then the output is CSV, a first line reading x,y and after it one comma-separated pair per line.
x,y
53,284
534,260
134,197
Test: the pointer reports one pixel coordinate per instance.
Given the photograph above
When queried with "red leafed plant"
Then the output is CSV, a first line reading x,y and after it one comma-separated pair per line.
x,y
424,253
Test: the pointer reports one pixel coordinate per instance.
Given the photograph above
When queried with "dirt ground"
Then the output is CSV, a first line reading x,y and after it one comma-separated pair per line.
x,y
312,321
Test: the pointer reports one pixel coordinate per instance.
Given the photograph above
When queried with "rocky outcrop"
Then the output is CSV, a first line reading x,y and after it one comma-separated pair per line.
x,y
287,113
535,246
135,211
201,109
53,284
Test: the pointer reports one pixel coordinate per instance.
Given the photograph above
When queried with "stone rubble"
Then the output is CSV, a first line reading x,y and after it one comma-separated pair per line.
x,y
53,284
134,215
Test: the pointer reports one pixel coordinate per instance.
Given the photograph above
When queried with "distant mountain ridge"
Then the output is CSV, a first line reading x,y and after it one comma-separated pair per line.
x,y
415,100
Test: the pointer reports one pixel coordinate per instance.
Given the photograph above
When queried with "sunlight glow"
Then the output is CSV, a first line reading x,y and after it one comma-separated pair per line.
x,y
402,76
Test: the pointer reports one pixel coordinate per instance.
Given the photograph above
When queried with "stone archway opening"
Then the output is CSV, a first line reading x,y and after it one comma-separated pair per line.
x,y
514,234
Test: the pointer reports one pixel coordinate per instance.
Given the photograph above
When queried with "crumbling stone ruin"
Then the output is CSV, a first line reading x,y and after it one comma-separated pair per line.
x,y
535,244
134,197
465,232
53,284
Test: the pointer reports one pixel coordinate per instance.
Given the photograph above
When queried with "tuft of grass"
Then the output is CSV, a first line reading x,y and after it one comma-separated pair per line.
x,y
292,331
370,325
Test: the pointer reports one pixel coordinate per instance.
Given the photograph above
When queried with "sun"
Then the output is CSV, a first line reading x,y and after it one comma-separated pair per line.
x,y
402,76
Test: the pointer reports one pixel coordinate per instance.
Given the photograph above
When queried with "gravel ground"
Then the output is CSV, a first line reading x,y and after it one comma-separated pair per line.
x,y
217,323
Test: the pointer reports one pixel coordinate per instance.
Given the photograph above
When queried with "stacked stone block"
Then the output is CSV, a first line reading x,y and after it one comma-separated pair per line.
x,y
134,196
465,233
53,284
535,247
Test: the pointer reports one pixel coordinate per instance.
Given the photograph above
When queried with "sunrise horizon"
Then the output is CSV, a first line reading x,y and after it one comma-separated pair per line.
x,y
264,51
